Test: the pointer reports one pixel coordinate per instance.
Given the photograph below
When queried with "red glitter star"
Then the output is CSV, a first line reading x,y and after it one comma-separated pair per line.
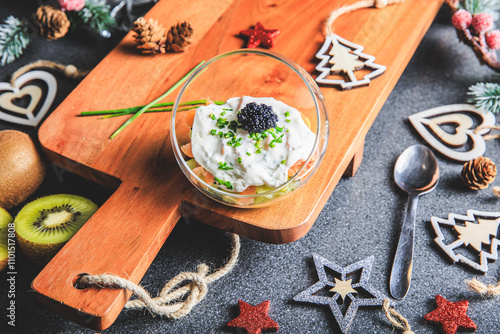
x,y
259,36
451,315
254,318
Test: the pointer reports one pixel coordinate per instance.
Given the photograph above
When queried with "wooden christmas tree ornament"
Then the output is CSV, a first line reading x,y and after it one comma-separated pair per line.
x,y
477,230
466,142
341,57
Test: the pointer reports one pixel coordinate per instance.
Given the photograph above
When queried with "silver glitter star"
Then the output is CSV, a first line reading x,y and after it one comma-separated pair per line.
x,y
311,295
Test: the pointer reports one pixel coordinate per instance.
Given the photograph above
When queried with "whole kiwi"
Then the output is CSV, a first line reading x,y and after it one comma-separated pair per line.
x,y
21,168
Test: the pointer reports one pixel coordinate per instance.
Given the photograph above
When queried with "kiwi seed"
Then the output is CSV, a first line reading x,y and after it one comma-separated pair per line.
x,y
5,220
46,224
21,168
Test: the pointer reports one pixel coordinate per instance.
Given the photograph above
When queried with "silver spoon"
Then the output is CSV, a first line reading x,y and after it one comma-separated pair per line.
x,y
416,172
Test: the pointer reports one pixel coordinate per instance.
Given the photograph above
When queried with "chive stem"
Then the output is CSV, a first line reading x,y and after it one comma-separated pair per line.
x,y
133,110
147,111
149,105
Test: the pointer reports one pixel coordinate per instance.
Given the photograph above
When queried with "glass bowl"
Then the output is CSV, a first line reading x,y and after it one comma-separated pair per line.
x,y
254,73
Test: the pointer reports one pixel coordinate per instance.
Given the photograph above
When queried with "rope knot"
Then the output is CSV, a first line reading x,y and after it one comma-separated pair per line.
x,y
71,71
489,291
172,301
396,319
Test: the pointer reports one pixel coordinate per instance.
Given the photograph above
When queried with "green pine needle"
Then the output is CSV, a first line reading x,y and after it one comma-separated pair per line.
x,y
95,15
481,6
14,39
485,96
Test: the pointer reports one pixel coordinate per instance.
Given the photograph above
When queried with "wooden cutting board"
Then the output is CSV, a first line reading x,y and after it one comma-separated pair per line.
x,y
124,236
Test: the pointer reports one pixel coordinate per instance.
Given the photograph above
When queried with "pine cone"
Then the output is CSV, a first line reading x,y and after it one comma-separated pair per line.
x,y
150,36
51,22
178,36
479,173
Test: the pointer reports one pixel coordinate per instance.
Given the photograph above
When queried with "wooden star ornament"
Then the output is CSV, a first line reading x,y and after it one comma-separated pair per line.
x,y
343,288
451,315
259,36
254,319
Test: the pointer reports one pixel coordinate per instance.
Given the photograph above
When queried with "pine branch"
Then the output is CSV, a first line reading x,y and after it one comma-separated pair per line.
x,y
485,96
14,39
481,6
95,15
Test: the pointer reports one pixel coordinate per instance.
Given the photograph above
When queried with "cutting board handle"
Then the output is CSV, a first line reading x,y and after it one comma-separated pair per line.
x,y
109,243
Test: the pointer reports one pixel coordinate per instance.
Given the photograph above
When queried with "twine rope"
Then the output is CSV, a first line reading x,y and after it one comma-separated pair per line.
x,y
489,291
169,302
396,319
69,70
488,137
355,6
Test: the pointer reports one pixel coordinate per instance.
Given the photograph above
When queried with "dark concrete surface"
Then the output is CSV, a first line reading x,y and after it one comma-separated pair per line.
x,y
361,218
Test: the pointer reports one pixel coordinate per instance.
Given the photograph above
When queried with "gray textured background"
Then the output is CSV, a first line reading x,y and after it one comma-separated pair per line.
x,y
361,218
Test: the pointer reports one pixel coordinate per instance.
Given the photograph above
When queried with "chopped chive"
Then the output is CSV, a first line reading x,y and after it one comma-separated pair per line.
x,y
287,114
249,154
212,116
287,120
258,151
222,122
235,142
227,109
221,134
224,166
213,132
272,145
283,162
226,183
223,113
240,160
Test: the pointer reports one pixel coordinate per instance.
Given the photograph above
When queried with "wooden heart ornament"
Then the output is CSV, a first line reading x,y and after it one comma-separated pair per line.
x,y
462,143
30,98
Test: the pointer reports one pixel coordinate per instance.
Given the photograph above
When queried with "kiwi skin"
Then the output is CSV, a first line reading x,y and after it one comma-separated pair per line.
x,y
21,168
39,254
41,247
5,220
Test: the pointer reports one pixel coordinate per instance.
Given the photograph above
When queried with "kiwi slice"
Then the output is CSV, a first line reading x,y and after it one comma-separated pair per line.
x,y
5,220
46,224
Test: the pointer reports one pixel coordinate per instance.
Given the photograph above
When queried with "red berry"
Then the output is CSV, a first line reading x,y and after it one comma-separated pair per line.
x,y
482,22
461,19
493,39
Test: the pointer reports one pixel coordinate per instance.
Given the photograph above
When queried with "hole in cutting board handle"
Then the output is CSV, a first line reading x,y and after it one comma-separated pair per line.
x,y
77,283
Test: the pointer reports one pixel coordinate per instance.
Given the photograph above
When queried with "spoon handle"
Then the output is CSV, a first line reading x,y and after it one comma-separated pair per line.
x,y
402,265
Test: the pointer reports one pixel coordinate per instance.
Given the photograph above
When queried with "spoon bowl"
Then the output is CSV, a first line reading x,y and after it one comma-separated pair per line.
x,y
416,172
